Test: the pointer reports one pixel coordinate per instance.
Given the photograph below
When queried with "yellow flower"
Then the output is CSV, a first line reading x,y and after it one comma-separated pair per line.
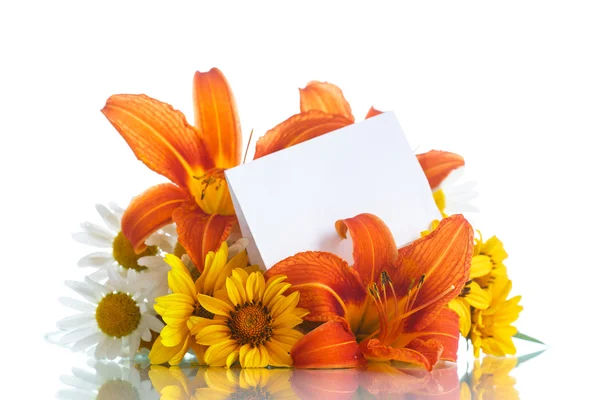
x,y
246,384
173,383
490,379
491,328
181,309
254,322
486,266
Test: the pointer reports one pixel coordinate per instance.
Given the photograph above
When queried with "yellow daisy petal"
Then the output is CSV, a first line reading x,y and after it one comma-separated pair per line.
x,y
278,357
285,305
216,355
212,334
215,306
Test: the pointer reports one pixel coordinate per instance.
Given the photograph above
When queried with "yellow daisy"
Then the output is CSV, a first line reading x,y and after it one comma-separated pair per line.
x,y
486,266
246,384
491,328
490,379
253,323
181,309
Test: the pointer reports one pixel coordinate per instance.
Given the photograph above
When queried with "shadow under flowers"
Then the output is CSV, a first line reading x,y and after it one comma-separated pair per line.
x,y
488,378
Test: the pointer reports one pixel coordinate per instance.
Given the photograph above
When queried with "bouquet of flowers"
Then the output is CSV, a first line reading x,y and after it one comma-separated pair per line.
x,y
173,275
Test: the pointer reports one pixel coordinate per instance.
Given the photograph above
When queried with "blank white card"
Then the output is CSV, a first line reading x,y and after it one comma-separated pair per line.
x,y
289,201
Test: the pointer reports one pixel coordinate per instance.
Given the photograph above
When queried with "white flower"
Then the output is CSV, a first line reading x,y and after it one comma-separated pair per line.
x,y
113,318
107,380
117,251
453,197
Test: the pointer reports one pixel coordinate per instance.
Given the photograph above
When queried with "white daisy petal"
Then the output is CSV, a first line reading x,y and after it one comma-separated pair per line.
x,y
75,321
98,259
78,334
134,344
152,262
77,304
103,344
86,376
87,342
114,349
153,323
110,219
98,231
98,288
146,335
91,240
117,209
76,382
84,290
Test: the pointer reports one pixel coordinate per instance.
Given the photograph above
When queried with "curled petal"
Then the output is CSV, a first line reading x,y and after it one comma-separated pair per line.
x,y
374,246
297,129
373,112
159,136
199,232
423,353
330,345
444,329
326,283
150,211
437,165
438,265
325,97
217,118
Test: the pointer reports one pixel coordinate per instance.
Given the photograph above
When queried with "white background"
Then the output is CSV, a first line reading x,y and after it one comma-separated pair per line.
x,y
513,86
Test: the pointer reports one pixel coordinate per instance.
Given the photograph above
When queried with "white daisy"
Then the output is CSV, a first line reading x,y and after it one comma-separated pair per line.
x,y
120,254
106,380
114,317
454,197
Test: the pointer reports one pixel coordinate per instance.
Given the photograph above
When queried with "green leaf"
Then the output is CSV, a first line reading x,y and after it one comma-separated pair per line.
x,y
522,336
527,357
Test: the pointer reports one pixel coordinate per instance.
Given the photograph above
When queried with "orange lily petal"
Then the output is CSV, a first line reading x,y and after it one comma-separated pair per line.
x,y
328,346
159,136
335,384
199,232
374,246
325,97
444,329
444,258
217,118
423,353
437,165
326,283
297,129
149,212
373,112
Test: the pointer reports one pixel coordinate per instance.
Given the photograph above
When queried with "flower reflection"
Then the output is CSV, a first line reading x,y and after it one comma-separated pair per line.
x,y
490,379
106,381
486,379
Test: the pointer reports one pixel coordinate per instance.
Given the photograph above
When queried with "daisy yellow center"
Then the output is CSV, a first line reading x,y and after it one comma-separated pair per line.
x,y
118,314
250,394
251,323
117,389
124,254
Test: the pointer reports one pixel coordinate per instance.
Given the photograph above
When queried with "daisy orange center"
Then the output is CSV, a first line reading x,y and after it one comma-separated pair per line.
x,y
117,389
251,323
124,254
118,314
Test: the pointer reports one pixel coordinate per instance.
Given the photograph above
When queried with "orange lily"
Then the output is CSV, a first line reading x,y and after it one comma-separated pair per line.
x,y
393,300
192,157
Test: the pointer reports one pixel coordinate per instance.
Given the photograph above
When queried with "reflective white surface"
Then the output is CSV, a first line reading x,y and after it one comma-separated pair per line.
x,y
486,378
